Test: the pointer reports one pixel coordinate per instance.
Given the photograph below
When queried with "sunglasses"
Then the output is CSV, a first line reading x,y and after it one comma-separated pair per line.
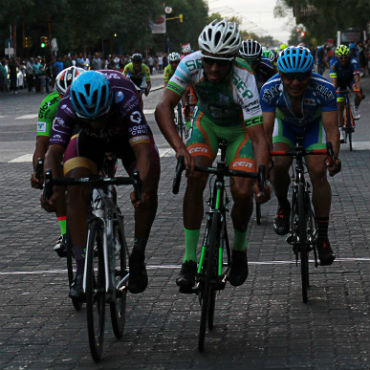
x,y
219,62
297,76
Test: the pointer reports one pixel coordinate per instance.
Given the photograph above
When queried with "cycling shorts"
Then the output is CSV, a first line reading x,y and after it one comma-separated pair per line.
x,y
204,138
88,152
314,137
343,86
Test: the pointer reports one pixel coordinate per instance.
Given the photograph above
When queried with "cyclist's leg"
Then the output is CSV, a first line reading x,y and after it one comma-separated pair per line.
x,y
240,157
202,145
283,139
321,190
144,213
78,162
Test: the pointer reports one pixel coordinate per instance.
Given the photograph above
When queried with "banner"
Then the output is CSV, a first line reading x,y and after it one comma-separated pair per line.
x,y
159,25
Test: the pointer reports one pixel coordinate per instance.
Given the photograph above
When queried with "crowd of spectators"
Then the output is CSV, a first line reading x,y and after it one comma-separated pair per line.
x,y
38,74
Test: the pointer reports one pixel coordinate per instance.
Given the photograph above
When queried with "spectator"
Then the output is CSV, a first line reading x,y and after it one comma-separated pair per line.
x,y
30,74
96,62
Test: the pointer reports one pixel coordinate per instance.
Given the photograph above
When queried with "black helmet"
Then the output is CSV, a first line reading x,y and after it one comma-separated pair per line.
x,y
137,57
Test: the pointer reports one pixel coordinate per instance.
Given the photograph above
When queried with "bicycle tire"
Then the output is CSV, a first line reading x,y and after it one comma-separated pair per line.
x,y
302,233
349,126
71,268
118,307
258,212
210,270
95,290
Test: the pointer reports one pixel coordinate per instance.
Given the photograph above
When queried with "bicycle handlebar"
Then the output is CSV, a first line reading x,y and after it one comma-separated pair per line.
x,y
180,167
39,170
97,181
332,159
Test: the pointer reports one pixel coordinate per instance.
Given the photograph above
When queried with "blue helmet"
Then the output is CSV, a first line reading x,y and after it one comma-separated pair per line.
x,y
91,96
295,59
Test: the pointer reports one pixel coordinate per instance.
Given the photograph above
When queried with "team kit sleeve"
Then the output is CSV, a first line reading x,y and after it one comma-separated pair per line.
x,y
251,108
47,112
146,72
333,69
328,98
268,97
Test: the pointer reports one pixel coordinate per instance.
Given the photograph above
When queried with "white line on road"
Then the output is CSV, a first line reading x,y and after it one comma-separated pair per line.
x,y
173,267
27,116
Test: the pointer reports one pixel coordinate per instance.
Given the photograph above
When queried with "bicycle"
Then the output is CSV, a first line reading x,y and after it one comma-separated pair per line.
x,y
106,262
180,124
214,263
302,227
349,122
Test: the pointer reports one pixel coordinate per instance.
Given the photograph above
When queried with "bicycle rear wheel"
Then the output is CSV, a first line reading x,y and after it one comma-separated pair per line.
x,y
208,294
349,126
118,307
258,212
71,268
95,289
302,234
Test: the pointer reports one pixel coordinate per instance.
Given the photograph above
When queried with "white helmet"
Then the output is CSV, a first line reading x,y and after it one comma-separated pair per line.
x,y
220,37
250,49
174,57
186,48
65,78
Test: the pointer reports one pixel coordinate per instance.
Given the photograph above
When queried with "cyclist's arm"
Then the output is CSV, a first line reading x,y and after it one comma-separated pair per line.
x,y
333,75
330,121
260,145
268,125
165,118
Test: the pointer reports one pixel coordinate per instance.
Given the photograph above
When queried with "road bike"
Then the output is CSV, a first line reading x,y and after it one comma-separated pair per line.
x,y
106,271
349,122
215,261
302,227
180,122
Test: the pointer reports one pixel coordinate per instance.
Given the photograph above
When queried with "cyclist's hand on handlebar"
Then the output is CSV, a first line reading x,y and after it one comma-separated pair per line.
x,y
262,197
36,182
146,92
189,161
334,168
49,205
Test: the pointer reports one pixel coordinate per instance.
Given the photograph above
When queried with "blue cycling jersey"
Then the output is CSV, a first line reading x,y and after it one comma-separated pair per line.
x,y
319,97
344,74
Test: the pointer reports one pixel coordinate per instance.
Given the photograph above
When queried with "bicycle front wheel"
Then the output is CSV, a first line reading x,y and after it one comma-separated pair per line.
x,y
208,294
71,268
349,126
118,307
95,289
302,235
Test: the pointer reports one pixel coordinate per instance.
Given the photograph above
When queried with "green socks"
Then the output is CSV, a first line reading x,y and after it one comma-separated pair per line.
x,y
191,243
240,243
62,221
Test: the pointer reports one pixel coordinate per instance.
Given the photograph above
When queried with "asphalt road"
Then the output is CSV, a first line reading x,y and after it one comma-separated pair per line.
x,y
260,325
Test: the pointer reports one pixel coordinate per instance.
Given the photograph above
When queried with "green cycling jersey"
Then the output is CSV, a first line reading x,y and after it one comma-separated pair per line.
x,y
47,112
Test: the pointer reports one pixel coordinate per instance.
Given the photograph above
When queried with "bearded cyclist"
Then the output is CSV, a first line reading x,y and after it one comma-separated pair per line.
x,y
47,112
295,103
345,72
106,106
228,108
251,52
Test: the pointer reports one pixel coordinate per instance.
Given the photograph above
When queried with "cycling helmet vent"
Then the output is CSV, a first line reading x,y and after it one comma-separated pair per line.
x,y
66,77
295,60
342,50
220,37
250,49
91,96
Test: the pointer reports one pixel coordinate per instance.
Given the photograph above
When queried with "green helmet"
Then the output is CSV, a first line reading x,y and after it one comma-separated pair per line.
x,y
283,46
267,53
342,50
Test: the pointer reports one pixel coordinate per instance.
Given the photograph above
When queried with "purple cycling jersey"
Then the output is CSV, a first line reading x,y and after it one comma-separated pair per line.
x,y
125,119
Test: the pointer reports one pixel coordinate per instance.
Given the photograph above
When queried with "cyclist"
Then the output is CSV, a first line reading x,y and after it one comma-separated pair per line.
x,y
345,71
251,51
228,107
320,59
174,60
299,102
138,73
107,108
47,112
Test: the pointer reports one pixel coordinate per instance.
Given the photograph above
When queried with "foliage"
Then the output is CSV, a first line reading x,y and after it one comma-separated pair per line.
x,y
112,25
322,19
